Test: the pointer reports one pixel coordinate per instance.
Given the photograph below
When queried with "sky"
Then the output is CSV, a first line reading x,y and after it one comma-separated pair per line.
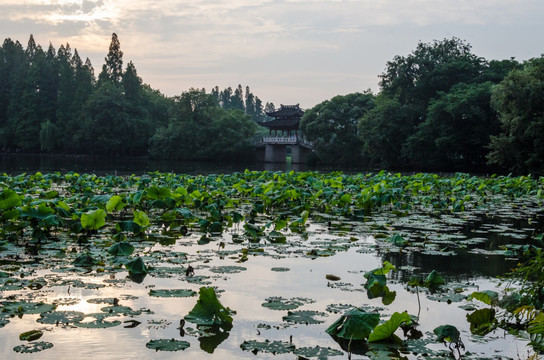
x,y
286,51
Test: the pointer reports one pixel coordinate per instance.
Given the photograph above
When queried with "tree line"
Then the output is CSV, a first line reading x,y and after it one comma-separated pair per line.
x,y
51,102
440,108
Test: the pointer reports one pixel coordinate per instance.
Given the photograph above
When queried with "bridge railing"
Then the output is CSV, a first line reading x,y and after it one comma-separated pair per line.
x,y
291,140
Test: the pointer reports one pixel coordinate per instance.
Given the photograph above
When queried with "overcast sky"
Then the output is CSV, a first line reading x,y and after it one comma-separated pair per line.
x,y
286,51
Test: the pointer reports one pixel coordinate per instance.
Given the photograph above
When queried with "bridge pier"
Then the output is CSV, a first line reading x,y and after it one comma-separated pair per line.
x,y
298,154
274,153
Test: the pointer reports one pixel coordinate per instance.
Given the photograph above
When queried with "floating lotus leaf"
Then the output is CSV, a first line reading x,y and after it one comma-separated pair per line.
x,y
31,335
304,317
280,303
227,269
280,269
167,345
98,324
120,310
23,307
61,317
274,347
33,347
317,351
172,293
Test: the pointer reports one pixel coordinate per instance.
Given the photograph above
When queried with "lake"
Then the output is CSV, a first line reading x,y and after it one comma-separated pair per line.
x,y
285,286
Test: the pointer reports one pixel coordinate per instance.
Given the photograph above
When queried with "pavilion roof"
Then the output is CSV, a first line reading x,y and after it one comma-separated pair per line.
x,y
281,123
287,111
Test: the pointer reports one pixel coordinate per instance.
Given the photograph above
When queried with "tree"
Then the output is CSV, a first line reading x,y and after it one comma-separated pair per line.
x,y
332,127
200,129
456,131
519,101
113,68
383,131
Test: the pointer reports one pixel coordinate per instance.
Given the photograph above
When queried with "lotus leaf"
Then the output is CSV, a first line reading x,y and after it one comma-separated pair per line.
x,y
136,267
93,219
482,321
172,293
33,347
434,279
24,307
84,260
115,203
317,351
387,329
397,240
227,269
279,303
354,324
447,333
9,199
120,310
208,310
141,218
167,345
61,317
122,248
274,347
488,297
31,335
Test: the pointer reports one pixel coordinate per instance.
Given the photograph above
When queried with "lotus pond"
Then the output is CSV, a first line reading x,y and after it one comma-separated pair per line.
x,y
269,265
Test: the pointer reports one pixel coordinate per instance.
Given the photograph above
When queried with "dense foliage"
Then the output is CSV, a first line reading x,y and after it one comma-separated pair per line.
x,y
50,101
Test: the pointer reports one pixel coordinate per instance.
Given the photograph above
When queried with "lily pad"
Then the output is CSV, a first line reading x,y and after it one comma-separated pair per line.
x,y
33,347
227,269
167,345
267,346
61,317
304,317
280,303
31,335
23,307
354,324
318,352
171,293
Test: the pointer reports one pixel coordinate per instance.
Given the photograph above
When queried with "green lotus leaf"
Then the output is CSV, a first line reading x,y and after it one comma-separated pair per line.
x,y
61,317
23,307
354,324
396,240
317,351
227,269
136,267
84,260
488,297
387,329
267,346
122,248
304,317
280,303
141,218
171,293
128,226
31,335
9,200
115,203
167,345
447,333
93,219
208,310
33,347
482,321
434,279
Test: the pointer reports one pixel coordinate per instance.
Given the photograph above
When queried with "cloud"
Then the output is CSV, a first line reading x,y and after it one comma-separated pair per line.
x,y
238,40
